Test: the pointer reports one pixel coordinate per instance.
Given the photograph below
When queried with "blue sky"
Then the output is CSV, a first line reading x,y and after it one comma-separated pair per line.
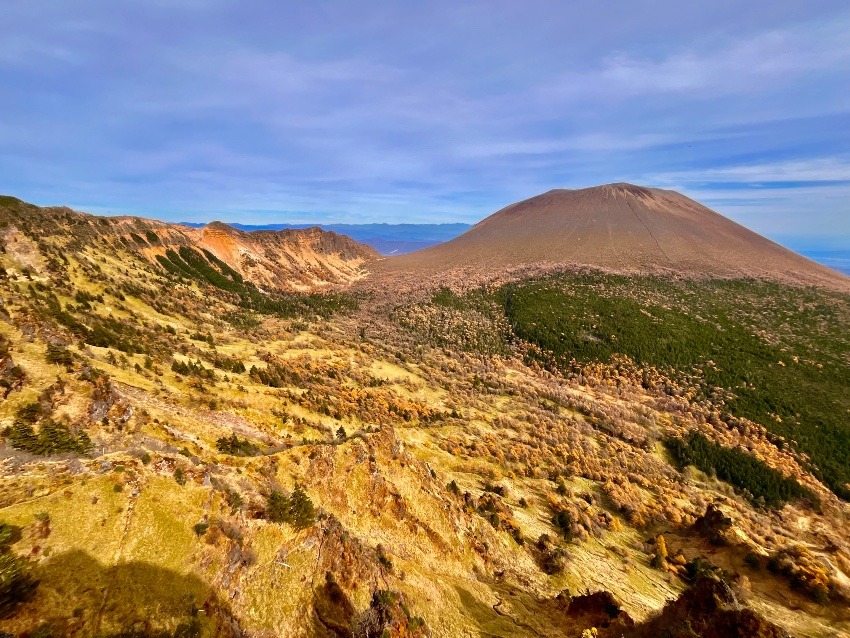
x,y
261,112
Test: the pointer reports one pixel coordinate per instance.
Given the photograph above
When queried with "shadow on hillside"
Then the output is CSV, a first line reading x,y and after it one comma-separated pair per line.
x,y
78,596
708,609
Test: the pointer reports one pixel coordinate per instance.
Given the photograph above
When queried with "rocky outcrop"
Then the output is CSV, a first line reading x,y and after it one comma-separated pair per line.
x,y
709,609
714,525
11,375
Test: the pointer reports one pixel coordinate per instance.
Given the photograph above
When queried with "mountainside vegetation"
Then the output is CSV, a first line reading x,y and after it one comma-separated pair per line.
x,y
782,354
189,451
777,355
762,484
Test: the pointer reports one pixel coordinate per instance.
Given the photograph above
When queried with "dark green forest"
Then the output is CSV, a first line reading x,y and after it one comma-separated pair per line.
x,y
206,268
783,352
761,484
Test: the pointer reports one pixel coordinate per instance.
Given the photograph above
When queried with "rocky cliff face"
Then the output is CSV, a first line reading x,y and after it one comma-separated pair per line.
x,y
301,260
304,259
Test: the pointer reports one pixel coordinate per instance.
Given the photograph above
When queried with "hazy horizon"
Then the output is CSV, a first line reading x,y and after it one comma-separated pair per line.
x,y
389,239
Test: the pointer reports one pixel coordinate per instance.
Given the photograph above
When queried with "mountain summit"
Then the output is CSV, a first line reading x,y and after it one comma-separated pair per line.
x,y
624,228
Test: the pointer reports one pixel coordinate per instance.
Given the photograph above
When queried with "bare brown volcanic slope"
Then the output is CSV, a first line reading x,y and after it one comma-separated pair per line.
x,y
618,227
302,260
307,258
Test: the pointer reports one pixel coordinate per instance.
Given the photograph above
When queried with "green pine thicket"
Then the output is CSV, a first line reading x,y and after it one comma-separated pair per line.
x,y
205,267
296,510
781,352
761,484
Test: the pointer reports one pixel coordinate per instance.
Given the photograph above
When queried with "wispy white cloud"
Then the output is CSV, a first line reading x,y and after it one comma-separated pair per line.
x,y
388,111
819,169
720,66
22,51
589,142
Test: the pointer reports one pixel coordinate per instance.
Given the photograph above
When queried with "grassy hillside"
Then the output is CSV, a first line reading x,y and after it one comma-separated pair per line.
x,y
186,453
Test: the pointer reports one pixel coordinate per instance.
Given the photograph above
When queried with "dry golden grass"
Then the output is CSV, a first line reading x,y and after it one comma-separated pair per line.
x,y
417,419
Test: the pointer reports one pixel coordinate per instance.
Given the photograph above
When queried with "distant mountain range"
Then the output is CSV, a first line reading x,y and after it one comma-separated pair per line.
x,y
400,239
387,239
836,259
